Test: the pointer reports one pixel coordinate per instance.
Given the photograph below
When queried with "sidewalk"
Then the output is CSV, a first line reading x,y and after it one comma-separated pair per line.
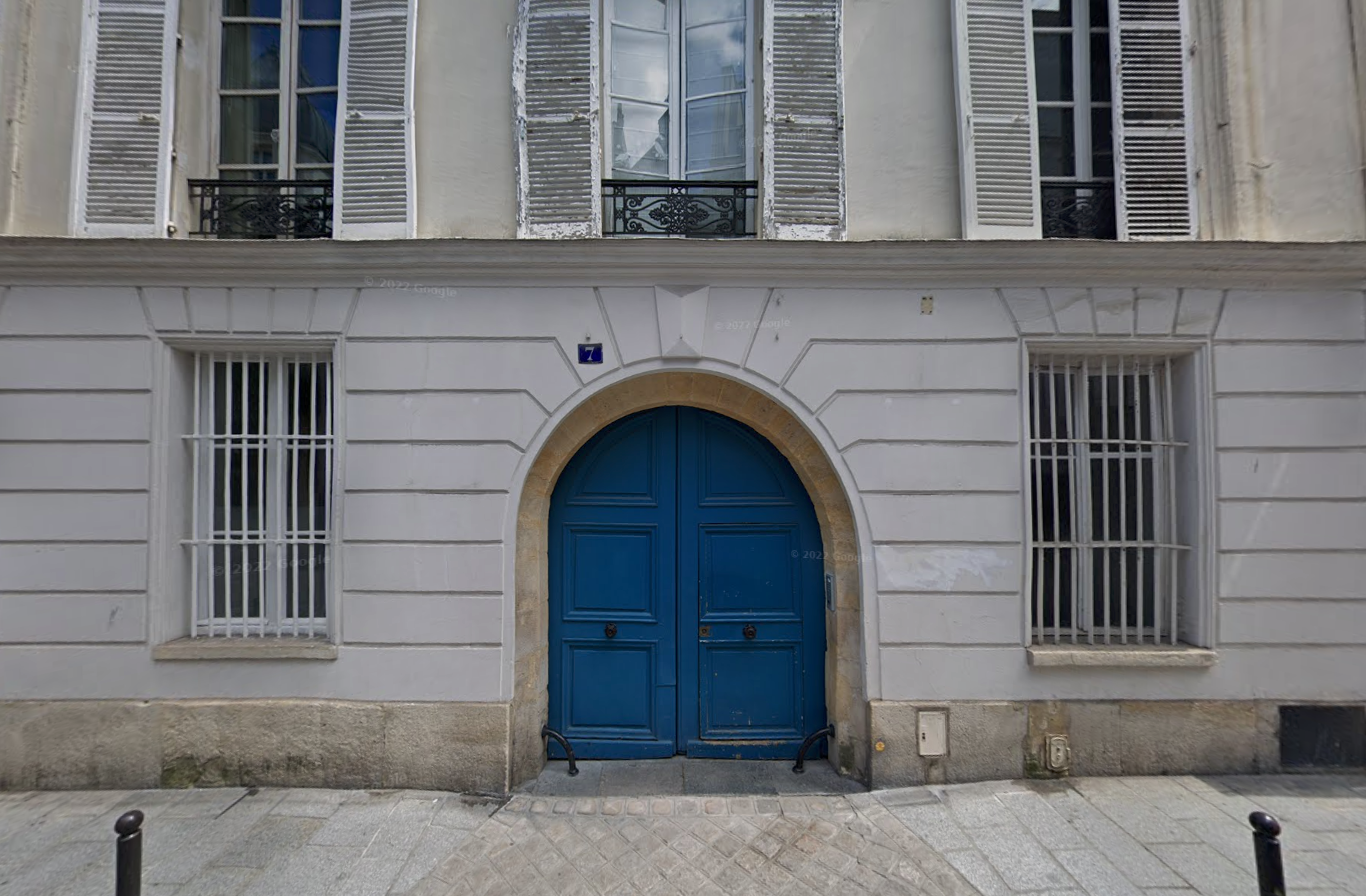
x,y
1097,836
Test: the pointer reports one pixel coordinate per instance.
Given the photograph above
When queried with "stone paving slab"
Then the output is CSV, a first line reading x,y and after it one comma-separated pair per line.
x,y
1174,836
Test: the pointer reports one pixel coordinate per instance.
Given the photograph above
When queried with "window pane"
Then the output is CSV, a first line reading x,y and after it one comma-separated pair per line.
x,y
1057,144
641,13
1053,67
1100,13
698,11
1102,143
251,57
316,128
249,130
319,52
715,58
716,133
321,9
1100,68
1051,13
640,140
262,9
640,65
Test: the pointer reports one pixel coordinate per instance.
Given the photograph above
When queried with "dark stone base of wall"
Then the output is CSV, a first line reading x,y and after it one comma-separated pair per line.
x,y
1008,740
79,744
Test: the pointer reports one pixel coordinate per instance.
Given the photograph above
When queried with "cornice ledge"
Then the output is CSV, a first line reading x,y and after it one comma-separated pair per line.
x,y
53,261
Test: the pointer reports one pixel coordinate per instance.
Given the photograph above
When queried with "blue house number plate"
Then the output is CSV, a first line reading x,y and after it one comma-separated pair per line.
x,y
590,352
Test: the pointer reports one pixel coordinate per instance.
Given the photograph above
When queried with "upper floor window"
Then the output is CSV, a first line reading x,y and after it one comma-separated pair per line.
x,y
680,110
1075,119
1074,111
277,89
277,119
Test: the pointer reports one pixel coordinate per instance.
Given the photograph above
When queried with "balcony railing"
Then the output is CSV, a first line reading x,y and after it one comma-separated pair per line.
x,y
263,209
708,208
1079,210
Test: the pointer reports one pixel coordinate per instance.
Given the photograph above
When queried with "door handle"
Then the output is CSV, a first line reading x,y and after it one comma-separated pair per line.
x,y
610,629
749,631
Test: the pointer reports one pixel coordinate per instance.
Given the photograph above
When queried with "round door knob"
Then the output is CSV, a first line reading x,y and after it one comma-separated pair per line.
x,y
610,630
750,631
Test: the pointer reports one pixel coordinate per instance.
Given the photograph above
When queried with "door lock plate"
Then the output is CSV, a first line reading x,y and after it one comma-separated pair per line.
x,y
704,631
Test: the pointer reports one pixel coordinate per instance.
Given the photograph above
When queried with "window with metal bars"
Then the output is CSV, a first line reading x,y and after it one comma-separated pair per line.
x,y
1106,548
263,461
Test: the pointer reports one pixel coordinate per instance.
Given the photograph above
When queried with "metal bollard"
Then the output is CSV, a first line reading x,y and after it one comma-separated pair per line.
x,y
128,858
1270,873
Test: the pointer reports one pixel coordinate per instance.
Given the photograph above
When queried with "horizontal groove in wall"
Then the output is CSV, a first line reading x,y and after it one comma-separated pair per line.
x,y
40,542
913,644
75,337
1262,393
425,491
417,442
84,390
943,493
40,490
407,541
428,391
968,443
477,595
551,340
64,592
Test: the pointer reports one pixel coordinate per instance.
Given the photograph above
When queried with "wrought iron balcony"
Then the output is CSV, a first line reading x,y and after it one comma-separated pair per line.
x,y
1079,210
697,208
263,209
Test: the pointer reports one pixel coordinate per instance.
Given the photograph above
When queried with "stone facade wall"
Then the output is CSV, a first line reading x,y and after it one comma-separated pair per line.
x,y
459,404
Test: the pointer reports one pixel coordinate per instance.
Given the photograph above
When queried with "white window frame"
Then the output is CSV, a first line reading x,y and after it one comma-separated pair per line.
x,y
1081,105
677,102
288,92
1183,607
280,547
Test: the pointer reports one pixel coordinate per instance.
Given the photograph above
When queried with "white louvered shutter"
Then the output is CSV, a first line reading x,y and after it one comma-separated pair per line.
x,y
374,192
557,120
803,120
123,150
998,150
1155,190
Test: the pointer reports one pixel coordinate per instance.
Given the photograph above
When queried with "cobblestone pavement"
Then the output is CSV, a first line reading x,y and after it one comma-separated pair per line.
x,y
1176,836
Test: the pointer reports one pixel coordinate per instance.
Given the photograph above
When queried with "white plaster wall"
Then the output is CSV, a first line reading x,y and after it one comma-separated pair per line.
x,y
40,49
447,396
462,120
901,133
1297,119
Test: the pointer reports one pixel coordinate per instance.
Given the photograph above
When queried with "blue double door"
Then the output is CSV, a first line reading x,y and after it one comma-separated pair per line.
x,y
686,603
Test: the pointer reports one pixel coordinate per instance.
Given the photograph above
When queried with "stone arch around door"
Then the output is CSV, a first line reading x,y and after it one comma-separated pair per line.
x,y
846,697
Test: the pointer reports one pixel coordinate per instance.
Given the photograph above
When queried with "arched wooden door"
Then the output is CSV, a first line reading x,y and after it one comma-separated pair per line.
x,y
686,610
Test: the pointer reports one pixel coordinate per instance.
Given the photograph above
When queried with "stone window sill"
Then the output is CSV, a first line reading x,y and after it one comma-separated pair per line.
x,y
1179,656
268,648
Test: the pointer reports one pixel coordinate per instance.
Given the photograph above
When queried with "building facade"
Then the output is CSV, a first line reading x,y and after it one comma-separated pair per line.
x,y
383,381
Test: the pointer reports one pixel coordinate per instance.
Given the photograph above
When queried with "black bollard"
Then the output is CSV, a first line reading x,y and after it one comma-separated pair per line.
x,y
128,858
1270,873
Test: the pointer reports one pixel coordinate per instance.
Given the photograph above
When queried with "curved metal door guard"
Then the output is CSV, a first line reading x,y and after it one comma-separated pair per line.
x,y
547,731
800,767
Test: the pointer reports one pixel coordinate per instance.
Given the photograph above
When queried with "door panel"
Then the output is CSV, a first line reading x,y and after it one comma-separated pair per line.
x,y
745,522
612,561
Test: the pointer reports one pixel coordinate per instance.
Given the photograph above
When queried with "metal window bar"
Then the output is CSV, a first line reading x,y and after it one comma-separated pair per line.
x,y
251,420
1080,435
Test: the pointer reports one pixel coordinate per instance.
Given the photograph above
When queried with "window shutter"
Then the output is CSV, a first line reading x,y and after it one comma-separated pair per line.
x,y
555,79
1154,196
123,154
998,149
803,120
374,198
